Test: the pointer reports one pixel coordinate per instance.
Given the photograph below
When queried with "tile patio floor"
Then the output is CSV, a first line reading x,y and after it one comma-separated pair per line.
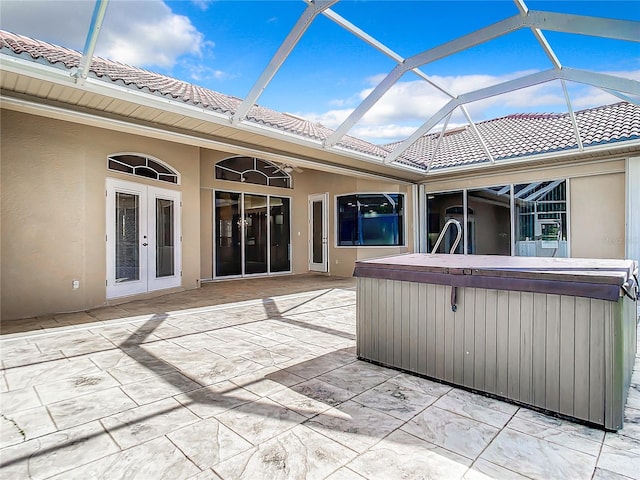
x,y
259,380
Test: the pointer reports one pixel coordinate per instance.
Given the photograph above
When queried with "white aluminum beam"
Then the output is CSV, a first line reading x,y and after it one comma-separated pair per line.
x,y
524,10
435,150
572,115
601,80
585,25
622,96
542,40
475,130
294,36
92,38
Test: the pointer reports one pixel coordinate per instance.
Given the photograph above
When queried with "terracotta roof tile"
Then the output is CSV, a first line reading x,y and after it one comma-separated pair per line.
x,y
521,135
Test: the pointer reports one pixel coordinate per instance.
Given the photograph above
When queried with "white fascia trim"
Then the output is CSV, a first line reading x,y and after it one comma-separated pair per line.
x,y
612,147
93,85
273,132
363,156
82,118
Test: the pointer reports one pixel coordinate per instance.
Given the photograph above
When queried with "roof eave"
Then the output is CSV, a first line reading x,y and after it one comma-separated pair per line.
x,y
601,149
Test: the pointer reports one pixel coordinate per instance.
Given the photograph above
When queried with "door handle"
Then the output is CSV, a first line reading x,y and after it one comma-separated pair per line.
x,y
145,244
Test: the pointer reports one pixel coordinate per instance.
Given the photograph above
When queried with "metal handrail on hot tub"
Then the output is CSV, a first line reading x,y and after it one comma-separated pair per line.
x,y
454,306
444,230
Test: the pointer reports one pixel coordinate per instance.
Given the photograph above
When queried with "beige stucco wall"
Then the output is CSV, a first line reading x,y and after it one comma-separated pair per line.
x,y
598,216
596,192
341,259
53,211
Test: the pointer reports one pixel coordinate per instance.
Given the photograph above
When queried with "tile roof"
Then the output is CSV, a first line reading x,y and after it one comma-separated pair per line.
x,y
509,137
157,84
522,135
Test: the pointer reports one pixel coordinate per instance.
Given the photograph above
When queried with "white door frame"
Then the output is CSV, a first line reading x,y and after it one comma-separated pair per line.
x,y
322,266
147,281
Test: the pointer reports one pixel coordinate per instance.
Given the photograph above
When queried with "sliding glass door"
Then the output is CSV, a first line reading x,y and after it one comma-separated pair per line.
x,y
252,234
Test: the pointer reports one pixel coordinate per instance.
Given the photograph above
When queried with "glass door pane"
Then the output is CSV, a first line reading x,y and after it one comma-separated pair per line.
x,y
127,235
228,234
317,243
440,208
164,238
279,218
255,234
489,228
541,219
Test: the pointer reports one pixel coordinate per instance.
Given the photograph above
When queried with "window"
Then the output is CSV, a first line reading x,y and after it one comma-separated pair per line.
x,y
142,166
371,219
535,212
541,219
253,170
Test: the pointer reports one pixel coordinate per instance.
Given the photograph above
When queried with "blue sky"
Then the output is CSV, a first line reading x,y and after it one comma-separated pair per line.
x,y
225,44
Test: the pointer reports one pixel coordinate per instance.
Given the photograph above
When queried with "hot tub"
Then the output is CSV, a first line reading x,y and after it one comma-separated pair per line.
x,y
556,334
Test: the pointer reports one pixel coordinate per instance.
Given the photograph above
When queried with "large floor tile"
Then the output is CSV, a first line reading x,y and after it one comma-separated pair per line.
x,y
261,420
43,372
158,459
21,399
215,399
538,459
57,452
208,442
208,373
401,455
449,430
568,439
297,454
159,387
138,425
357,377
566,426
354,425
478,407
267,380
396,400
24,425
483,470
620,461
75,386
86,408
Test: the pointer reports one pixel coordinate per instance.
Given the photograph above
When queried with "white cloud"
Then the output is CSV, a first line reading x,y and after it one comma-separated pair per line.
x,y
145,33
202,4
201,73
142,33
383,133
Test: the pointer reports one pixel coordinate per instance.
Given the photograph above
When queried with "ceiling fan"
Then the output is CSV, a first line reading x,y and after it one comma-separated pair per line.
x,y
288,168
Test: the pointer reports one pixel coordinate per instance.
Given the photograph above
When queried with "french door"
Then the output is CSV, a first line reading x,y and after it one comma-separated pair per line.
x,y
143,238
252,234
319,232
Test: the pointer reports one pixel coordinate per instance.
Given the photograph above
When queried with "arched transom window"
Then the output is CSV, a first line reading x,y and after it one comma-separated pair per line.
x,y
253,170
142,166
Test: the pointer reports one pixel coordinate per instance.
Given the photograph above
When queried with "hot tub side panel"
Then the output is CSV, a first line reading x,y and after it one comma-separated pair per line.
x,y
553,352
622,345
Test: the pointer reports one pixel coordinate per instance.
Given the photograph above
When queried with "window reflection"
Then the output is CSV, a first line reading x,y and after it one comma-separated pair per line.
x,y
371,219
